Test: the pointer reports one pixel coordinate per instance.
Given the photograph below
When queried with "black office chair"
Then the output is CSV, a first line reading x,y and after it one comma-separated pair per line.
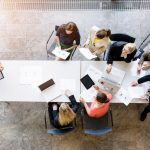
x,y
54,131
97,126
51,44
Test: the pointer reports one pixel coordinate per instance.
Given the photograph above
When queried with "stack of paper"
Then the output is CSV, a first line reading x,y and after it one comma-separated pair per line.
x,y
60,53
87,53
94,73
89,95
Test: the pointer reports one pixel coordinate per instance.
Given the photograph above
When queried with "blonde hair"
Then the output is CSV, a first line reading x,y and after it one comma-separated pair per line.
x,y
131,47
66,114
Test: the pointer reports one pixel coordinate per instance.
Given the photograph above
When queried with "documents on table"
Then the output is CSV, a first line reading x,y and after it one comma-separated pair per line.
x,y
89,95
136,92
51,93
123,96
87,53
31,75
67,84
94,73
115,76
60,53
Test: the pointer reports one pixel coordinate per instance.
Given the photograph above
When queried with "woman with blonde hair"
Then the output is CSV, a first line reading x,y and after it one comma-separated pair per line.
x,y
63,115
98,40
120,51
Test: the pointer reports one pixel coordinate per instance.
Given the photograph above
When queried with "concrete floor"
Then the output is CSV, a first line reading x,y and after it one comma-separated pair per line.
x,y
23,36
24,33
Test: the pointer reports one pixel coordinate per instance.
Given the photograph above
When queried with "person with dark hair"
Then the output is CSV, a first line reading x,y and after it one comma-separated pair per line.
x,y
147,95
100,106
66,35
98,40
120,51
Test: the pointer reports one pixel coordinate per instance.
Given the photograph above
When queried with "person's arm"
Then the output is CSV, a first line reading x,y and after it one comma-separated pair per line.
x,y
110,54
70,48
87,108
130,57
1,67
74,103
143,79
57,36
142,58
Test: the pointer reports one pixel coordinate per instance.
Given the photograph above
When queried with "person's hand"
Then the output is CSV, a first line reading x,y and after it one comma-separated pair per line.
x,y
145,66
96,87
109,68
82,100
1,67
139,69
134,83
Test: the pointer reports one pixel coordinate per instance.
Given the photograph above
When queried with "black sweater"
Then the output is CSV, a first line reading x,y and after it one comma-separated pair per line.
x,y
115,51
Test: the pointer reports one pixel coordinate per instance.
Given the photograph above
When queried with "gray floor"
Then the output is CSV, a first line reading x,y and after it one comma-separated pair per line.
x,y
23,36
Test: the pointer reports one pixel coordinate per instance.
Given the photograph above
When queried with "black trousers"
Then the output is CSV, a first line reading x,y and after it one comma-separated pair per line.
x,y
147,109
54,114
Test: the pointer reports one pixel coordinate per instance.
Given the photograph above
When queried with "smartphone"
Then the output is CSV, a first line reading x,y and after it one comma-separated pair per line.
x,y
46,84
87,81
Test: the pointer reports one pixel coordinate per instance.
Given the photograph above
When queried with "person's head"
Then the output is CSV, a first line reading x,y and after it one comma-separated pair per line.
x,y
71,27
103,33
66,114
129,48
102,98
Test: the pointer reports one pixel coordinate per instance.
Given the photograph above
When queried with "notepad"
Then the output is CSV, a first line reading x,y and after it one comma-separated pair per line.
x,y
89,95
60,53
87,53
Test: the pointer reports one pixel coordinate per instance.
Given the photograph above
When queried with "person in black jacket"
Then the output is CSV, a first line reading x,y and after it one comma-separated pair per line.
x,y
120,51
63,115
147,108
66,35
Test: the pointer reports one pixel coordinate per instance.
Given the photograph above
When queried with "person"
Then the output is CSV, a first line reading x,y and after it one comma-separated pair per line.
x,y
66,34
120,51
1,67
147,95
63,115
98,40
100,106
145,57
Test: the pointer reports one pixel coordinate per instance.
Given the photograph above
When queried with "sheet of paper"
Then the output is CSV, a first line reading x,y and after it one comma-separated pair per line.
x,y
60,53
136,92
89,95
51,93
94,73
123,96
115,76
31,75
69,84
87,53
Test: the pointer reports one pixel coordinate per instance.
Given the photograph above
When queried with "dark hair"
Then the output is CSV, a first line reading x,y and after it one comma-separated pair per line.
x,y
103,33
102,98
71,26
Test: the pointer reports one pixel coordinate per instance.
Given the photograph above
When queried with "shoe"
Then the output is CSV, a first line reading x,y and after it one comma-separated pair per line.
x,y
68,93
143,116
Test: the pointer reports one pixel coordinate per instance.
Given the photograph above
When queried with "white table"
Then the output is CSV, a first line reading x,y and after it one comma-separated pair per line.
x,y
129,68
12,90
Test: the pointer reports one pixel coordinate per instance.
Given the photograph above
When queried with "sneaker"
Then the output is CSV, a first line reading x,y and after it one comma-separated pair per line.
x,y
68,93
143,116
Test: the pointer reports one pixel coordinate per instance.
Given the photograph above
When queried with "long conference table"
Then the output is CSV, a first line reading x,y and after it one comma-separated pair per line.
x,y
64,73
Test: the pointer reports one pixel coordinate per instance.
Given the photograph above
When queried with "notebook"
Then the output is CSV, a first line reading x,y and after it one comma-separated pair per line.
x,y
60,53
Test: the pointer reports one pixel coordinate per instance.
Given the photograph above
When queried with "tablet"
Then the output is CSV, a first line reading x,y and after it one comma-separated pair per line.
x,y
1,75
87,81
46,84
